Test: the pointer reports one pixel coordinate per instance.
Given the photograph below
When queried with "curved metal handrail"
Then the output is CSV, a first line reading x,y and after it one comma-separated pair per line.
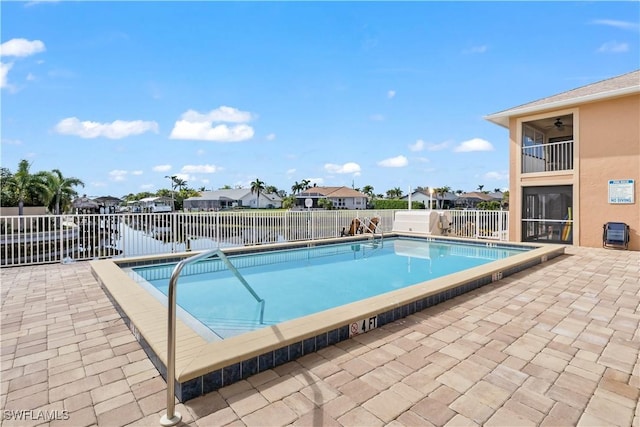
x,y
172,417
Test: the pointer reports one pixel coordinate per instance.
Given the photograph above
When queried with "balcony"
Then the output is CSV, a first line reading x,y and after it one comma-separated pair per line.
x,y
550,157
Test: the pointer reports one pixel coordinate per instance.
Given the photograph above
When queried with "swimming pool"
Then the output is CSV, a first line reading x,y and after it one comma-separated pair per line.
x,y
204,365
298,282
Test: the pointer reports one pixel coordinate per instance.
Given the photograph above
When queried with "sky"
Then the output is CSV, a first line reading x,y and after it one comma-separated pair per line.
x,y
123,95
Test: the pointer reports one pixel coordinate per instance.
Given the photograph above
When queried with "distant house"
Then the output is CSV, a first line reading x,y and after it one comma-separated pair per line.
x,y
341,197
471,200
440,201
575,163
108,203
155,204
231,198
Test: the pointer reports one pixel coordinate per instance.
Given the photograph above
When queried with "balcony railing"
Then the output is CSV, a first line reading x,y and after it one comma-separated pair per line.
x,y
550,157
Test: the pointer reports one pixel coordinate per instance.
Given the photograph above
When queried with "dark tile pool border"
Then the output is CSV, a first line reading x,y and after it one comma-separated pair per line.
x,y
235,372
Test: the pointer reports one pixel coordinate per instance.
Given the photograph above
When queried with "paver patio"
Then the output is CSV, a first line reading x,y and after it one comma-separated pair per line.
x,y
555,345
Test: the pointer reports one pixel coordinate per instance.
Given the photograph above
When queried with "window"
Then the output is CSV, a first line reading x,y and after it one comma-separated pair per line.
x,y
533,158
547,214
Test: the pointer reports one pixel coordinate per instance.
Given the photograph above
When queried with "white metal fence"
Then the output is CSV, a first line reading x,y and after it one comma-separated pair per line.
x,y
32,239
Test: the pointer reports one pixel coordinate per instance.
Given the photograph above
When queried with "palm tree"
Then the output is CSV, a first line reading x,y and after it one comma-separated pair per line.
x,y
60,189
164,192
394,193
25,185
7,198
442,191
368,190
270,189
306,184
256,187
480,187
178,183
296,188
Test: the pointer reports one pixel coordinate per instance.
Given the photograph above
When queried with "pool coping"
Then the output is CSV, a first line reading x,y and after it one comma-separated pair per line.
x,y
202,366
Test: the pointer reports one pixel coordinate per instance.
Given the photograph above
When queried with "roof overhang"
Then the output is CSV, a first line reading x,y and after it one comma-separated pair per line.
x,y
502,118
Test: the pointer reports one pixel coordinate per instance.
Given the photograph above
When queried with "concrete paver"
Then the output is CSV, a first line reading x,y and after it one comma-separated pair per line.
x,y
556,345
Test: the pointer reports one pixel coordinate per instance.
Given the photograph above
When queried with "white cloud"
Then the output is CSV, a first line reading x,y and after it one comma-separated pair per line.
x,y
349,167
418,146
36,2
31,77
203,131
496,176
376,117
271,137
475,144
17,48
394,162
7,141
623,25
200,169
200,126
221,114
476,49
4,70
136,173
161,168
437,147
316,181
201,152
21,47
613,47
391,94
116,130
118,175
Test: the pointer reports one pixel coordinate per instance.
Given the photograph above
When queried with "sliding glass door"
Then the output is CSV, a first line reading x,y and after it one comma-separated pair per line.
x,y
547,214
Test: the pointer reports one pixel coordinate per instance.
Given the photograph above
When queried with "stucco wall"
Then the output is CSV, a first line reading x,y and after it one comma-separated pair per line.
x,y
13,223
27,210
515,194
609,149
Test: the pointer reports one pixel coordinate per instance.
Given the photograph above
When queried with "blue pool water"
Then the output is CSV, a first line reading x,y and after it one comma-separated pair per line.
x,y
299,282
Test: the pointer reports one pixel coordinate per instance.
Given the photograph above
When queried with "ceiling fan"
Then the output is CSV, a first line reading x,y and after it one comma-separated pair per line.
x,y
559,125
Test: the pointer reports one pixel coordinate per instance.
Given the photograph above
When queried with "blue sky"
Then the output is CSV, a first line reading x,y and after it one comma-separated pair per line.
x,y
387,94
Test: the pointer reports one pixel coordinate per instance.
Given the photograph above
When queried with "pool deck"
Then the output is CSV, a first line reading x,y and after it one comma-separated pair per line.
x,y
557,344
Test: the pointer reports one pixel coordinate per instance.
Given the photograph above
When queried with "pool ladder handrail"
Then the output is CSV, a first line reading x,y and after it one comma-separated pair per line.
x,y
172,417
376,229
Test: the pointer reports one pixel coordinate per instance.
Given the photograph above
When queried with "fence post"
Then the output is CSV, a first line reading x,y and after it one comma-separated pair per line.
x,y
254,228
121,233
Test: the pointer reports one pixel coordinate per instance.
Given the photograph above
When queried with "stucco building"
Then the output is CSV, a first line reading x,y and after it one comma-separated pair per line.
x,y
232,198
575,163
341,197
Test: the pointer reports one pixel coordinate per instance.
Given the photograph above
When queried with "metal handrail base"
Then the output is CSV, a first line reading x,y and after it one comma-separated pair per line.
x,y
172,417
